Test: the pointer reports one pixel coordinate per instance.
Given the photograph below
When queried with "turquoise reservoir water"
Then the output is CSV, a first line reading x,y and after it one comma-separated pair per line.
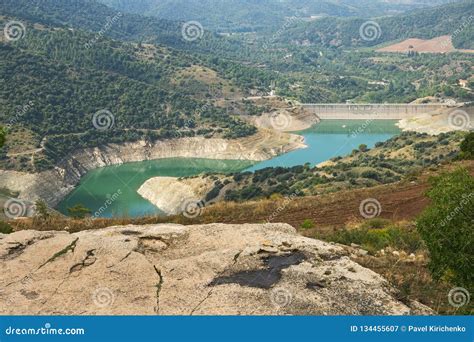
x,y
119,184
332,138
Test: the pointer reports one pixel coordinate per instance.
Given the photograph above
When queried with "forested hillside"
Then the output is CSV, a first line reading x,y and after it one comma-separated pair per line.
x,y
365,77
231,15
258,15
78,57
59,85
363,168
452,19
90,15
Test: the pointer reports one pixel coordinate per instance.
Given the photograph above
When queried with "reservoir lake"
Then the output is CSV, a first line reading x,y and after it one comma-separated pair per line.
x,y
326,140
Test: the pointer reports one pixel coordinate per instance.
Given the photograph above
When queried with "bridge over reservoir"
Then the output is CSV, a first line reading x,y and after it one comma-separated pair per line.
x,y
374,111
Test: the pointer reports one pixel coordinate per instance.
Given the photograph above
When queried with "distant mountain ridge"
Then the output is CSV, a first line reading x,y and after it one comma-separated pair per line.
x,y
452,19
92,16
153,91
249,15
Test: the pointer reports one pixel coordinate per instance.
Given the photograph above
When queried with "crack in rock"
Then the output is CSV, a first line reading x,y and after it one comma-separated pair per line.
x,y
56,290
89,260
235,259
158,289
316,285
130,232
66,249
19,247
202,301
123,259
14,251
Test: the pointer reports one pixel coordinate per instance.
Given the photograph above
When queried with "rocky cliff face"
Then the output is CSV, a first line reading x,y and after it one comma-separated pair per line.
x,y
175,196
54,185
188,270
441,121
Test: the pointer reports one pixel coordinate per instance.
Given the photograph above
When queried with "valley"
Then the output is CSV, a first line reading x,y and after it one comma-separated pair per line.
x,y
336,140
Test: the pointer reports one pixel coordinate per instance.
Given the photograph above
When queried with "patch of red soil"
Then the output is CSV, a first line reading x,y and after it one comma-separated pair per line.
x,y
442,44
396,202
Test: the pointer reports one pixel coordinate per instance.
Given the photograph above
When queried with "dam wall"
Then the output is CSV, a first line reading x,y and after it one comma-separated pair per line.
x,y
371,111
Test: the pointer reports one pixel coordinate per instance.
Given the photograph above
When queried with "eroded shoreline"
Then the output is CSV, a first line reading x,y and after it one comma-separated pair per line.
x,y
54,185
170,198
174,196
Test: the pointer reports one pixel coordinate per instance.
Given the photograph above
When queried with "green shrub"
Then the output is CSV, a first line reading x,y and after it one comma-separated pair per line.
x,y
5,228
42,210
407,239
307,224
3,133
467,147
214,192
374,239
375,223
446,226
370,174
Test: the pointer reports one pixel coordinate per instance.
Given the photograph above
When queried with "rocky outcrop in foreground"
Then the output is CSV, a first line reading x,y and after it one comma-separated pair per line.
x,y
188,270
